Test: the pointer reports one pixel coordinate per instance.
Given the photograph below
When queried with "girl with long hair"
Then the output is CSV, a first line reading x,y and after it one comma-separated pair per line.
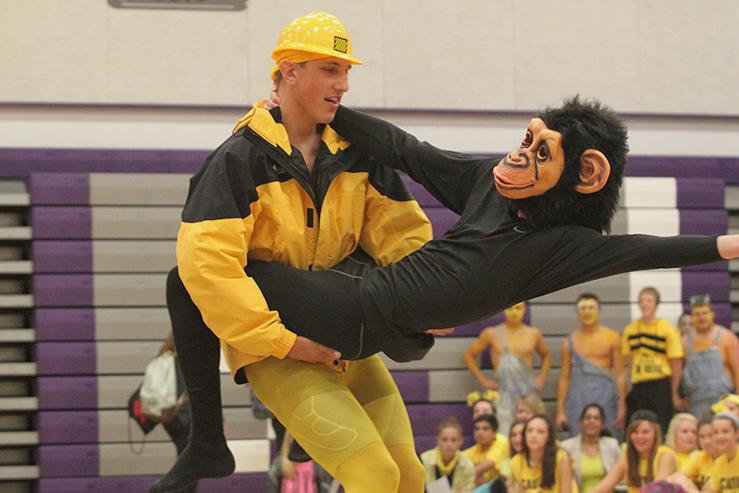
x,y
646,459
541,466
594,453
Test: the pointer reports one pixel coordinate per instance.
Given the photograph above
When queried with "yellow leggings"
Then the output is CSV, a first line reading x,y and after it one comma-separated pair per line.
x,y
354,424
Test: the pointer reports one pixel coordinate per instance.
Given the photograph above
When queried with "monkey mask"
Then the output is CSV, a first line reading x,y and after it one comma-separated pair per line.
x,y
538,164
568,168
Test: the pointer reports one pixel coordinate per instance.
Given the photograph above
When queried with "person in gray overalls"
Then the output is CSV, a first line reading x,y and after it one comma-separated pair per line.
x,y
712,356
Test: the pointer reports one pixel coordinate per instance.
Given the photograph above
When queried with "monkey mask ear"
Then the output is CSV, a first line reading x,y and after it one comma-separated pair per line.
x,y
594,171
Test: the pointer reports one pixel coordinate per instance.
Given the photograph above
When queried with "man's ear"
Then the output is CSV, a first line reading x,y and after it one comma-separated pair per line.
x,y
287,69
594,171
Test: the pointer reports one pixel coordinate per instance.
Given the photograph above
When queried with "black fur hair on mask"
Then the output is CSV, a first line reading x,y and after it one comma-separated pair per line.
x,y
583,125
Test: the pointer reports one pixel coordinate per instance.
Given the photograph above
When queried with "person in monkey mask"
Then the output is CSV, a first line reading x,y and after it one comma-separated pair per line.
x,y
530,224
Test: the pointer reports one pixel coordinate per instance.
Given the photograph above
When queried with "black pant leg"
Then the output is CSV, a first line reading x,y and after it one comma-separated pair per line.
x,y
198,348
323,306
661,402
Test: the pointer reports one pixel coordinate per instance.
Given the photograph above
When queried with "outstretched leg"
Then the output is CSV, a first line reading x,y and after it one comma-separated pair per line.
x,y
198,353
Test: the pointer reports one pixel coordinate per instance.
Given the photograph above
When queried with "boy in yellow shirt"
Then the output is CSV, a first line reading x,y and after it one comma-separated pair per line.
x,y
490,449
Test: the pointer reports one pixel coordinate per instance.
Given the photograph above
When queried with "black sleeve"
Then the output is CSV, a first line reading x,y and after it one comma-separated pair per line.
x,y
448,176
586,255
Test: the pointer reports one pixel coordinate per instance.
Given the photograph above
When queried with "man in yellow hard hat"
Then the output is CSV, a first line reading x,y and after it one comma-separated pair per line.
x,y
286,188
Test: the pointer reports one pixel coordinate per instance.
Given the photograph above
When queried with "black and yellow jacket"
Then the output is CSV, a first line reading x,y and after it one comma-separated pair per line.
x,y
254,199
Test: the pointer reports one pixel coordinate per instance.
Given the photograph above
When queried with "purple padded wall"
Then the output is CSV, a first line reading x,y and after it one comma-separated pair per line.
x,y
65,358
67,392
64,324
67,427
62,256
62,290
60,188
65,461
69,223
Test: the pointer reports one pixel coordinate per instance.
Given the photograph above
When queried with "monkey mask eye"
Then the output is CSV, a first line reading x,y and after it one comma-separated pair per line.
x,y
543,153
527,139
535,167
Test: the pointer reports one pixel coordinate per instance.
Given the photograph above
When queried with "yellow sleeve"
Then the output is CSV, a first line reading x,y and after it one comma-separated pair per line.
x,y
499,452
516,464
691,467
211,257
394,224
212,244
716,471
472,454
674,346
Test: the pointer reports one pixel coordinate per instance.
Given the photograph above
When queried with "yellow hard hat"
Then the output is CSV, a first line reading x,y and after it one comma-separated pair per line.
x,y
317,33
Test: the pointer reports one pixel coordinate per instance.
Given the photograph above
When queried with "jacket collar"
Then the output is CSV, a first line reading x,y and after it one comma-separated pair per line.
x,y
267,125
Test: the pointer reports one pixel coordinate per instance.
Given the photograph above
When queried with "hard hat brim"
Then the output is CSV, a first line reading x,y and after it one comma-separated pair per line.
x,y
315,49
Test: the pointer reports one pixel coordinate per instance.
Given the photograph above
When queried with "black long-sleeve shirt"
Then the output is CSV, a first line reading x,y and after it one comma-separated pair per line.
x,y
491,259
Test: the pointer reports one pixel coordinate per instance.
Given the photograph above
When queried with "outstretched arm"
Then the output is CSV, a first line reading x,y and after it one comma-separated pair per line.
x,y
448,176
581,255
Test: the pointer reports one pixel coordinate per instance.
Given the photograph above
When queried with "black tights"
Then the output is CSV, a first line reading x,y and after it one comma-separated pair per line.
x,y
322,306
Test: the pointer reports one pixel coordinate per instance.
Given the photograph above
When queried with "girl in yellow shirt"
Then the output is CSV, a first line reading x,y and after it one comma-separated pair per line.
x,y
725,474
646,459
542,466
696,471
682,436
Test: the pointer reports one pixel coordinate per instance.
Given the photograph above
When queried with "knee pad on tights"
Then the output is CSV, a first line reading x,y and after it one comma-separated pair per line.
x,y
371,470
412,472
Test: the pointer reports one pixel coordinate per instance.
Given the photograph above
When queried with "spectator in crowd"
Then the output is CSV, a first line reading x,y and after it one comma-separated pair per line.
x,y
697,469
515,437
593,452
684,322
646,459
482,403
528,406
446,460
503,482
654,353
725,472
489,450
682,436
512,346
591,370
286,476
712,358
727,403
542,466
